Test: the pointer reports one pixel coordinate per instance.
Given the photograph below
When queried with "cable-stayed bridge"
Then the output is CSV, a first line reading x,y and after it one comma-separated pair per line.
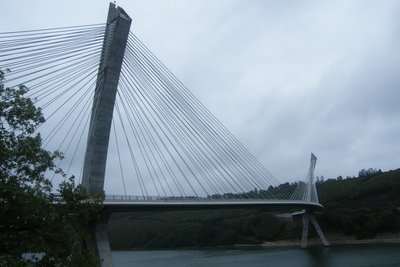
x,y
126,124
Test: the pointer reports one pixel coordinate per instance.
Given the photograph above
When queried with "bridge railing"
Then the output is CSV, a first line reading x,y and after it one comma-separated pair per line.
x,y
133,198
129,198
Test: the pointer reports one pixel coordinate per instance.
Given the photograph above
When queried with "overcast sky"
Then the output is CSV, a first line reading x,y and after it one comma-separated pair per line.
x,y
285,77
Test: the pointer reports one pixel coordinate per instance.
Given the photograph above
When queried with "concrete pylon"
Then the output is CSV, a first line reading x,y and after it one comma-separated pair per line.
x,y
115,39
310,193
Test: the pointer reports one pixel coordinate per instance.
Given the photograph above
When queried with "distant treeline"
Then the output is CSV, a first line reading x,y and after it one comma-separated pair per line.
x,y
364,206
282,191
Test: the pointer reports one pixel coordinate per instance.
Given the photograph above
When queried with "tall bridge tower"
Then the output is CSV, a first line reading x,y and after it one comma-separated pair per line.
x,y
115,39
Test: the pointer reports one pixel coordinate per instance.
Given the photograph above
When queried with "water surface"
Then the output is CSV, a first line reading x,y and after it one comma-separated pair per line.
x,y
336,256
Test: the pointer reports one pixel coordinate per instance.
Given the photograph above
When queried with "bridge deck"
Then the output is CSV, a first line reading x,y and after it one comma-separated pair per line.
x,y
134,204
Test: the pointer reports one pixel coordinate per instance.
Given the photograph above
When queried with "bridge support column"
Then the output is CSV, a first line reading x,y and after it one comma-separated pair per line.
x,y
102,243
306,218
115,40
97,240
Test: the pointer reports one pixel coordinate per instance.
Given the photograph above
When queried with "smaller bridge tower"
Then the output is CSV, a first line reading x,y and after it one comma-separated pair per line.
x,y
309,193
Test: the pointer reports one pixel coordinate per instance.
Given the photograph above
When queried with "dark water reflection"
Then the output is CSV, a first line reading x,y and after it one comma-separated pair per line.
x,y
336,256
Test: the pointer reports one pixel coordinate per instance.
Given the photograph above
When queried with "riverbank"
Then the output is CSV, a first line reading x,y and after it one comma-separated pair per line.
x,y
334,239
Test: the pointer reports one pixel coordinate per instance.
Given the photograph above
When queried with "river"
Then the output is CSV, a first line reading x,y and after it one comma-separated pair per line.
x,y
335,256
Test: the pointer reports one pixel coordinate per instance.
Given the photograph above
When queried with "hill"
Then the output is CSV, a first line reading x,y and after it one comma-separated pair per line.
x,y
363,206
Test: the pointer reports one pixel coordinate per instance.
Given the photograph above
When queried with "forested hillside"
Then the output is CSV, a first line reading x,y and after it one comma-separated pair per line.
x,y
363,206
196,229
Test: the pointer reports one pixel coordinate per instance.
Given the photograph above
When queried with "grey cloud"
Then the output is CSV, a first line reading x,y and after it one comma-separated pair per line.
x,y
286,77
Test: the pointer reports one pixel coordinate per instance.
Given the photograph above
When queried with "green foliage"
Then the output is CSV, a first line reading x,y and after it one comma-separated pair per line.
x,y
33,220
282,191
363,206
378,190
207,228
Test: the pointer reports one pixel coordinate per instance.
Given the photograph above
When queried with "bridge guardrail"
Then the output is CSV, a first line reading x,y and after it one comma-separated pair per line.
x,y
133,198
129,198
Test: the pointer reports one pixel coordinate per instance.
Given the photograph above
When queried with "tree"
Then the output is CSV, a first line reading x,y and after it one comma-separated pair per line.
x,y
37,226
368,172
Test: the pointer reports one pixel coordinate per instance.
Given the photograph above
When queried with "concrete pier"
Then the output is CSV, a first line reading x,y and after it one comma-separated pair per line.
x,y
307,217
